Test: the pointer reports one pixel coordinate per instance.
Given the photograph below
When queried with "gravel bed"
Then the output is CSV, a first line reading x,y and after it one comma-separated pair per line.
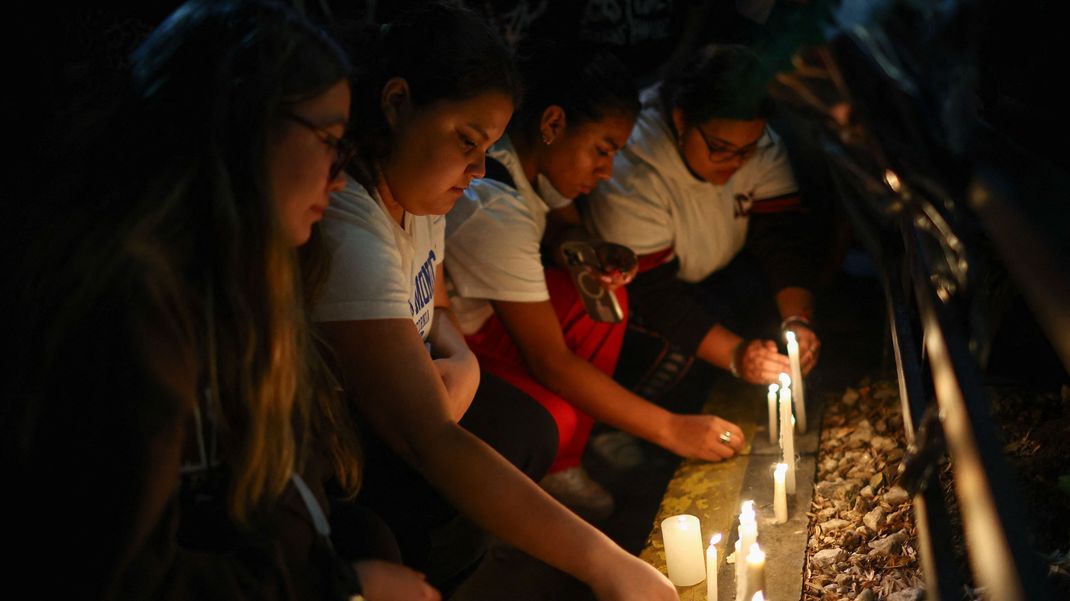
x,y
862,539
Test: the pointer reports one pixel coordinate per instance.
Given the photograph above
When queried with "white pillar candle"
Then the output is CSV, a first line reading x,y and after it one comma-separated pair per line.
x,y
683,549
796,380
711,568
772,413
780,497
755,572
787,434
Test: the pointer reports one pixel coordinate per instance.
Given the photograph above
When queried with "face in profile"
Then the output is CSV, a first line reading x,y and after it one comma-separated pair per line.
x,y
303,159
581,155
717,148
439,148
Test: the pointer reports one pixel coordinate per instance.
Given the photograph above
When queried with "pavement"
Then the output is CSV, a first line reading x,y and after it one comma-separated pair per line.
x,y
851,318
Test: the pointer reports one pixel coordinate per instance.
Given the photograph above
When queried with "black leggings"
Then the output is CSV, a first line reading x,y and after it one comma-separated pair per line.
x,y
432,535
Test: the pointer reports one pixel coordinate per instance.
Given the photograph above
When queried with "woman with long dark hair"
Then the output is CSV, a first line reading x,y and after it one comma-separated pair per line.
x,y
161,329
439,95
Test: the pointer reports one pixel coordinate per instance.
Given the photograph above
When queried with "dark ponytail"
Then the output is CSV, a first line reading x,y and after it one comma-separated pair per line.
x,y
444,52
719,82
589,84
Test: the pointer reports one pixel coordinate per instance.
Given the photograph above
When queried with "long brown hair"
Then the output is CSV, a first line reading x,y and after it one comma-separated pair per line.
x,y
211,82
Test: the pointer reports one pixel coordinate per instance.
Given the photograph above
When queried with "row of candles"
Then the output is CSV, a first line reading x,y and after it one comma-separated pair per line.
x,y
683,555
682,533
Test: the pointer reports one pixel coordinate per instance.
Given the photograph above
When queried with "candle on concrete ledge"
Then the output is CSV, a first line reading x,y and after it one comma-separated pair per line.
x,y
796,379
711,568
780,496
683,549
748,535
771,397
787,434
755,572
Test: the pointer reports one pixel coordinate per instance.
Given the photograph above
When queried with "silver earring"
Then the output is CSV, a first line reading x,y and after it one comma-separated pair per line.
x,y
546,139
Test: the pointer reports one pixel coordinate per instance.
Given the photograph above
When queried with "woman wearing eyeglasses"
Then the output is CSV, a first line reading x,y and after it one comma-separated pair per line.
x,y
168,420
704,194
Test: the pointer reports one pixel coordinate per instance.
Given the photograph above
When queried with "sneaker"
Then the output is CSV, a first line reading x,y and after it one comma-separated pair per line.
x,y
618,450
577,491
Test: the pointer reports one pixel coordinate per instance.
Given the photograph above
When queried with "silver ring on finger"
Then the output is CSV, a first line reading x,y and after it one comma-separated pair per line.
x,y
725,437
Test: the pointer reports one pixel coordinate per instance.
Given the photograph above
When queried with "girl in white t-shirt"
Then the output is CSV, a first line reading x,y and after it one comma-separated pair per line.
x,y
701,177
436,94
527,324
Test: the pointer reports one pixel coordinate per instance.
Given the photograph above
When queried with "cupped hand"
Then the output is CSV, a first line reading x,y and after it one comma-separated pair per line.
x,y
700,437
761,363
385,581
619,265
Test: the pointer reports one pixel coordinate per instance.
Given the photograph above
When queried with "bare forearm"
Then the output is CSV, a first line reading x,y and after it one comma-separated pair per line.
x,y
445,335
598,395
501,499
718,345
795,302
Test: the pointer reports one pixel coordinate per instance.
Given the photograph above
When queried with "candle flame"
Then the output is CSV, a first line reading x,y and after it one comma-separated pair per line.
x,y
716,538
785,380
781,469
756,555
758,597
774,387
790,337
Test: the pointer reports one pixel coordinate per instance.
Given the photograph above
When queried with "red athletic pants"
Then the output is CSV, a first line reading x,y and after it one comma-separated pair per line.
x,y
597,342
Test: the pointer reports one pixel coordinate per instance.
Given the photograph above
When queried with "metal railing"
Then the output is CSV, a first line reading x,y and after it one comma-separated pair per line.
x,y
914,175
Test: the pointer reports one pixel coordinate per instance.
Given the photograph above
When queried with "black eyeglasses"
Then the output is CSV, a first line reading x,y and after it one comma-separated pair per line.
x,y
343,147
722,152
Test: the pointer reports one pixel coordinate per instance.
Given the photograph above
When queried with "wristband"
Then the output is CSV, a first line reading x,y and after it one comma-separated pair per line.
x,y
733,363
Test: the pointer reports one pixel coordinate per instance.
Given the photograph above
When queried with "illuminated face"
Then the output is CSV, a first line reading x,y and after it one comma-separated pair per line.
x,y
440,148
715,149
582,155
300,155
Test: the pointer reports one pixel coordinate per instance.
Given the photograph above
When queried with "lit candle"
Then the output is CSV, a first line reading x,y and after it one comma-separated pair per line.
x,y
755,572
796,379
772,412
711,568
683,549
748,535
758,597
787,435
780,497
741,572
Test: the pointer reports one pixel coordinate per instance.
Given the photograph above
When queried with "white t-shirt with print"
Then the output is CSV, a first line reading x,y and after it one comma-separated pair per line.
x,y
653,202
492,243
379,270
